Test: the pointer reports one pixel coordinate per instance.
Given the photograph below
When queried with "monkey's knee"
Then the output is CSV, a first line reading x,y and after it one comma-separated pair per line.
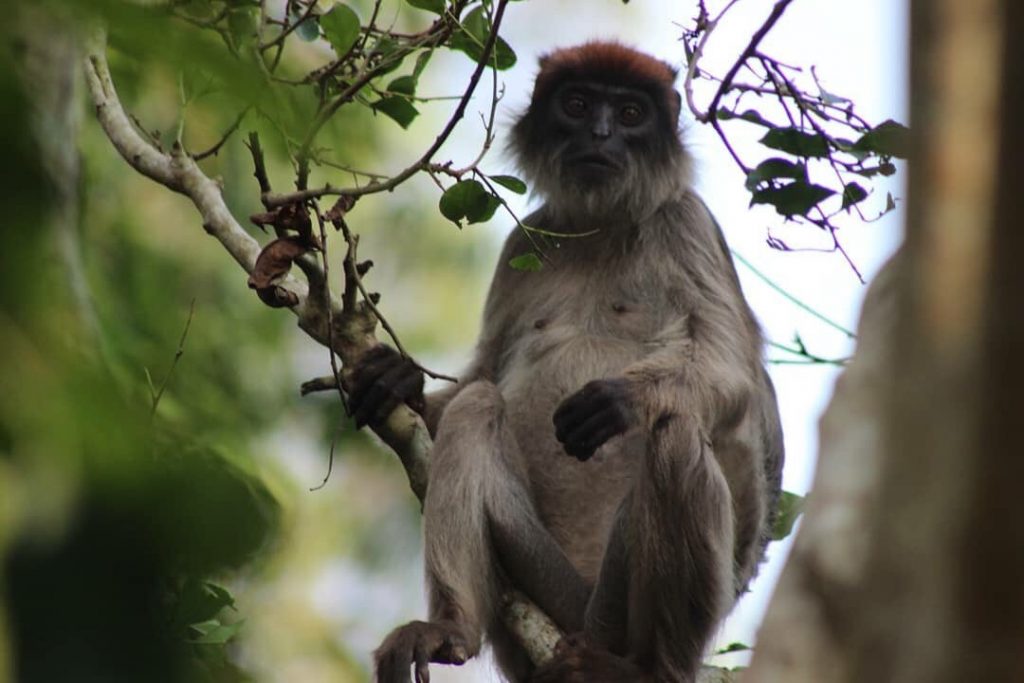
x,y
479,400
472,424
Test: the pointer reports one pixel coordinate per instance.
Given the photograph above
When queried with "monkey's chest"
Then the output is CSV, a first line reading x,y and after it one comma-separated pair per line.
x,y
549,360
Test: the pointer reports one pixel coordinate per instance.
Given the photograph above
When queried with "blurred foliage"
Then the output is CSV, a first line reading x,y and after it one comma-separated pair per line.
x,y
178,543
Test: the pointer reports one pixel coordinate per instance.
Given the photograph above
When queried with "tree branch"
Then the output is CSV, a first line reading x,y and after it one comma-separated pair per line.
x,y
353,328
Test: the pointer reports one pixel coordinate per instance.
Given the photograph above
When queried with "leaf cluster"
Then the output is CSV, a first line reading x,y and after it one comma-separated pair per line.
x,y
830,154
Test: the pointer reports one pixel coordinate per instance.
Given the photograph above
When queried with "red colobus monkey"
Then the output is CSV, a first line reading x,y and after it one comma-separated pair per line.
x,y
614,449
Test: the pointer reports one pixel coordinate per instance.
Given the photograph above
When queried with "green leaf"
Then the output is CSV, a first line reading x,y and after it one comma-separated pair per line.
x,y
435,6
309,29
773,168
789,508
848,146
213,632
398,108
243,24
886,169
199,9
888,138
472,36
485,211
404,85
733,647
831,98
342,27
200,601
796,198
220,594
751,115
853,194
796,142
422,59
528,262
384,51
510,182
470,200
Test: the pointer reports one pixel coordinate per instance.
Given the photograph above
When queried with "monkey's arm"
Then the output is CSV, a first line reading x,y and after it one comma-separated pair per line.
x,y
689,375
384,378
714,378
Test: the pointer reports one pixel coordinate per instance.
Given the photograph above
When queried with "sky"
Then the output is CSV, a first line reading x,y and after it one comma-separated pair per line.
x,y
859,51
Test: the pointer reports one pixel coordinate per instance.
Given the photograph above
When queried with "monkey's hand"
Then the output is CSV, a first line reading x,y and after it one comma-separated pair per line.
x,y
597,412
417,644
577,661
382,379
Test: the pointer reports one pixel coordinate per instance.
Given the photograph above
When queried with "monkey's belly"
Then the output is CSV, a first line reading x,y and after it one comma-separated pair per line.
x,y
577,501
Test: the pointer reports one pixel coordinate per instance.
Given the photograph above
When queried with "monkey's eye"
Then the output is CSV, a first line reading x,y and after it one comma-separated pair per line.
x,y
631,114
575,106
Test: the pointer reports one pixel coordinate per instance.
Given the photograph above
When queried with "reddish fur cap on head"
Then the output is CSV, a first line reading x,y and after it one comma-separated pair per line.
x,y
610,62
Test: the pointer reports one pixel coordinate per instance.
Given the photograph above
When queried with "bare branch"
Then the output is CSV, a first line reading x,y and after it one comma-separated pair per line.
x,y
755,40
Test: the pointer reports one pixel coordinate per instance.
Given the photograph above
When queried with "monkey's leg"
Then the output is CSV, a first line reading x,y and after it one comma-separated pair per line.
x,y
667,576
479,525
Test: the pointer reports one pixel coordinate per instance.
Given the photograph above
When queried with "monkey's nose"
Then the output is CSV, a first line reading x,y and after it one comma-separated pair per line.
x,y
602,124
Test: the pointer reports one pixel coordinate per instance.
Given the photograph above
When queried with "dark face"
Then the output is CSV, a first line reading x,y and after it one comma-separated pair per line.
x,y
602,128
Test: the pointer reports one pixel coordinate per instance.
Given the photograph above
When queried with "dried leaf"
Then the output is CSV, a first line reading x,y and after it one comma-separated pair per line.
x,y
272,265
294,218
336,214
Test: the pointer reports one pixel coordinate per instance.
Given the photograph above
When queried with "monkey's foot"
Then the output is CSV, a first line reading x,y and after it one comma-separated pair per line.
x,y
417,644
577,662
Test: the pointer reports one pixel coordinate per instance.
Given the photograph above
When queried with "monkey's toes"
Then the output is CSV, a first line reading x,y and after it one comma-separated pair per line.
x,y
416,645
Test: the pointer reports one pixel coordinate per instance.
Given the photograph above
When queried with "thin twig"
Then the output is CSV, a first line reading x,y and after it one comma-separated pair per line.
x,y
290,27
801,351
212,151
330,343
771,283
174,363
394,181
352,277
755,40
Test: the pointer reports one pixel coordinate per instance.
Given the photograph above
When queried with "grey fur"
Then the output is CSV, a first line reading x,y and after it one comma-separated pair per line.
x,y
680,503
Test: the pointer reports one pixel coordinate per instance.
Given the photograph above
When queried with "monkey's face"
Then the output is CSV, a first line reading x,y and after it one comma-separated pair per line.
x,y
600,129
601,149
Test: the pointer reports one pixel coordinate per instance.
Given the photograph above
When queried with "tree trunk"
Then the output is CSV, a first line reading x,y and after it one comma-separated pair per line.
x,y
907,567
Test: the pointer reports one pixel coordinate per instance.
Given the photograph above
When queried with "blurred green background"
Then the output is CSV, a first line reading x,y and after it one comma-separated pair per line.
x,y
172,544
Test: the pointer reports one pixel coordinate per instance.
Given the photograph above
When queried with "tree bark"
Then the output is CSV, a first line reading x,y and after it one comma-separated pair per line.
x,y
907,567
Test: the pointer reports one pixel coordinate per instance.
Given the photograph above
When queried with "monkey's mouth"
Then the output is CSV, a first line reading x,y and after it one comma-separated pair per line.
x,y
594,162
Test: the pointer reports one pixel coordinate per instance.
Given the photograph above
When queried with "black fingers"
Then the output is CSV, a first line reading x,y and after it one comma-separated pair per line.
x,y
592,416
381,381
